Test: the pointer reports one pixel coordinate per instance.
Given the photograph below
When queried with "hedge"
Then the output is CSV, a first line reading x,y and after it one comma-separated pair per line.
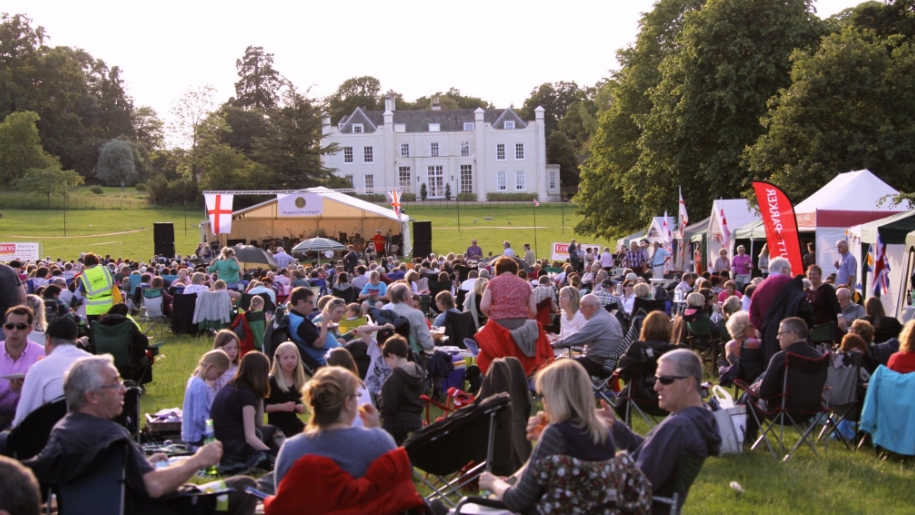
x,y
510,197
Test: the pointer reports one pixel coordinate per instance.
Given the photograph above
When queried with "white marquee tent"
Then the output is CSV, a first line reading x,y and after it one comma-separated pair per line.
x,y
340,213
737,213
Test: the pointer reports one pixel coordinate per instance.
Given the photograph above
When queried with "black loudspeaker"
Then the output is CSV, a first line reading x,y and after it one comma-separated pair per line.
x,y
164,239
422,232
163,232
165,249
422,239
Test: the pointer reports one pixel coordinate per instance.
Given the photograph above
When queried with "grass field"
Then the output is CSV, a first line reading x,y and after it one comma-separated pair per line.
x,y
128,232
841,481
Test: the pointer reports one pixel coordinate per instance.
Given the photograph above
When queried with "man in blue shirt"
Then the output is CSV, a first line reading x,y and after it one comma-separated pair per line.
x,y
310,338
846,266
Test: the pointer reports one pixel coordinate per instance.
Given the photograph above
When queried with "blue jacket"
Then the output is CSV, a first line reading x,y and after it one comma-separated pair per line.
x,y
889,414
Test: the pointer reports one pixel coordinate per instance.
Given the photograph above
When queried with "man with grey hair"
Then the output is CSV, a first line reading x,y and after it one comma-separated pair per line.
x,y
850,310
846,265
95,395
691,427
401,294
779,276
601,336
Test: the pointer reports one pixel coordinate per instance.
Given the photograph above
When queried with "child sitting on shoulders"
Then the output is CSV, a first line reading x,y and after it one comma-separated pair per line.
x,y
198,395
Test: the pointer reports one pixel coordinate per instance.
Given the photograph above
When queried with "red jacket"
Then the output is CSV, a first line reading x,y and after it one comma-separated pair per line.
x,y
496,342
246,345
316,485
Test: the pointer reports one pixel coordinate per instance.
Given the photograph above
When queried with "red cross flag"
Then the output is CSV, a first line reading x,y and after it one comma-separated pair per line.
x,y
219,209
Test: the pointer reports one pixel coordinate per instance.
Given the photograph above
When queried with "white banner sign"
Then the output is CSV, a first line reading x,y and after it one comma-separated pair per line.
x,y
20,251
300,204
560,251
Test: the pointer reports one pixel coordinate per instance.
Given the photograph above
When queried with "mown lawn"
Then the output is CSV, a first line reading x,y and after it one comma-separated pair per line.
x,y
840,481
90,230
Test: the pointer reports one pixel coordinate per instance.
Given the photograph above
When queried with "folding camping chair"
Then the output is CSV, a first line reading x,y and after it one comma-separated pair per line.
x,y
688,467
157,323
798,405
842,396
457,449
639,398
699,337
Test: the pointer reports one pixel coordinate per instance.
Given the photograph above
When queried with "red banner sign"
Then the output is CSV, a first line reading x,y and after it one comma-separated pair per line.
x,y
781,225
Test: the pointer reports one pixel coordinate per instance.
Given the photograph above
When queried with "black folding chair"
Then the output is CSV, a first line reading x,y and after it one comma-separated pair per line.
x,y
798,405
843,397
688,467
31,435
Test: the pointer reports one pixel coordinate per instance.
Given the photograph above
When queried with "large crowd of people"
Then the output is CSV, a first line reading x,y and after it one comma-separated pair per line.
x,y
332,360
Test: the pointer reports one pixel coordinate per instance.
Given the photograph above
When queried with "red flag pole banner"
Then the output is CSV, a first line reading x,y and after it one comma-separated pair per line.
x,y
781,224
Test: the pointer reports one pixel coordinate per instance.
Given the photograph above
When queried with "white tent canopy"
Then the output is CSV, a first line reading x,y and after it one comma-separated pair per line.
x,y
860,235
656,230
737,212
636,236
340,213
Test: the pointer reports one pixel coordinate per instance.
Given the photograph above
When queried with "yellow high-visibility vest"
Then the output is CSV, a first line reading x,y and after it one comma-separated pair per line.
x,y
98,282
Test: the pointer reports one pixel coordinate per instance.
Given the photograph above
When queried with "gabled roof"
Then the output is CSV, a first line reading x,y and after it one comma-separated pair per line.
x,y
892,229
851,191
336,205
418,120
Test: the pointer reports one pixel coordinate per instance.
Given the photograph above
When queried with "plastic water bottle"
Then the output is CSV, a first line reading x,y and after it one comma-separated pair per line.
x,y
210,436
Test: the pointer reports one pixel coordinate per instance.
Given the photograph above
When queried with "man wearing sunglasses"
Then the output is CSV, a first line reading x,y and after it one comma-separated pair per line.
x,y
17,356
95,395
691,427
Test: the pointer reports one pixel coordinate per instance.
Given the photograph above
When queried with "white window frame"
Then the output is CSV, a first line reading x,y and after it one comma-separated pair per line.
x,y
509,125
358,128
400,127
404,150
351,179
432,172
348,155
433,149
369,183
500,151
435,127
465,149
368,154
405,185
469,126
500,181
519,151
553,181
466,184
520,181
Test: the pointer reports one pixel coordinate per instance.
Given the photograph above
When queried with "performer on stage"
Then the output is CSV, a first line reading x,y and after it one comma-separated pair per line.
x,y
378,241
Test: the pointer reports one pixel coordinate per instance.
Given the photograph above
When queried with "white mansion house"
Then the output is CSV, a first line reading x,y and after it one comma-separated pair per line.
x,y
475,151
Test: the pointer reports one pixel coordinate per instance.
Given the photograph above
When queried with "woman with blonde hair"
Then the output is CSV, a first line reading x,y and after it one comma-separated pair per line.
x,y
227,340
198,395
572,318
332,399
39,325
903,361
287,377
569,426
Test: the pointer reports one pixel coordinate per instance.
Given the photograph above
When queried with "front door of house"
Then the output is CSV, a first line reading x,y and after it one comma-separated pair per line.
x,y
436,182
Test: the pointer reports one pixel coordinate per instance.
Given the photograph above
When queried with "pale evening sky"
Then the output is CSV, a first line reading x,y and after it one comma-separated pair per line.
x,y
498,49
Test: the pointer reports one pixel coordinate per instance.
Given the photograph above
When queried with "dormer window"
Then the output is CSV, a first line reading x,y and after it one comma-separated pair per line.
x,y
509,125
358,128
468,126
435,127
400,127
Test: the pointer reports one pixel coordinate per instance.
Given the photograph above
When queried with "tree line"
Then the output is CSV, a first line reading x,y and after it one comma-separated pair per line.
x,y
714,94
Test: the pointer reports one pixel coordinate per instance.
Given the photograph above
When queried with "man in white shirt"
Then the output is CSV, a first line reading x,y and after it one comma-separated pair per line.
x,y
508,249
44,380
606,259
282,258
472,277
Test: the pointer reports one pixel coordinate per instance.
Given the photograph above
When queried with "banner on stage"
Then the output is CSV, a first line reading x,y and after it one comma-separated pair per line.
x,y
20,251
781,224
300,204
560,251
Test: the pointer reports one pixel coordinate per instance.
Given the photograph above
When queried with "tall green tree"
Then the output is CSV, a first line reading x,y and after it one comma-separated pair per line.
x,y
116,165
191,113
49,182
851,105
555,98
606,199
148,127
258,83
20,147
364,92
712,94
563,153
451,99
243,126
291,147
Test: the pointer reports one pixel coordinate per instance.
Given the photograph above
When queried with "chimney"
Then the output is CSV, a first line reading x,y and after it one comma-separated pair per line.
x,y
389,102
436,106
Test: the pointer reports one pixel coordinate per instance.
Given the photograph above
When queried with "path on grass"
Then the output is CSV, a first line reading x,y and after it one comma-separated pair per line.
x,y
78,236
